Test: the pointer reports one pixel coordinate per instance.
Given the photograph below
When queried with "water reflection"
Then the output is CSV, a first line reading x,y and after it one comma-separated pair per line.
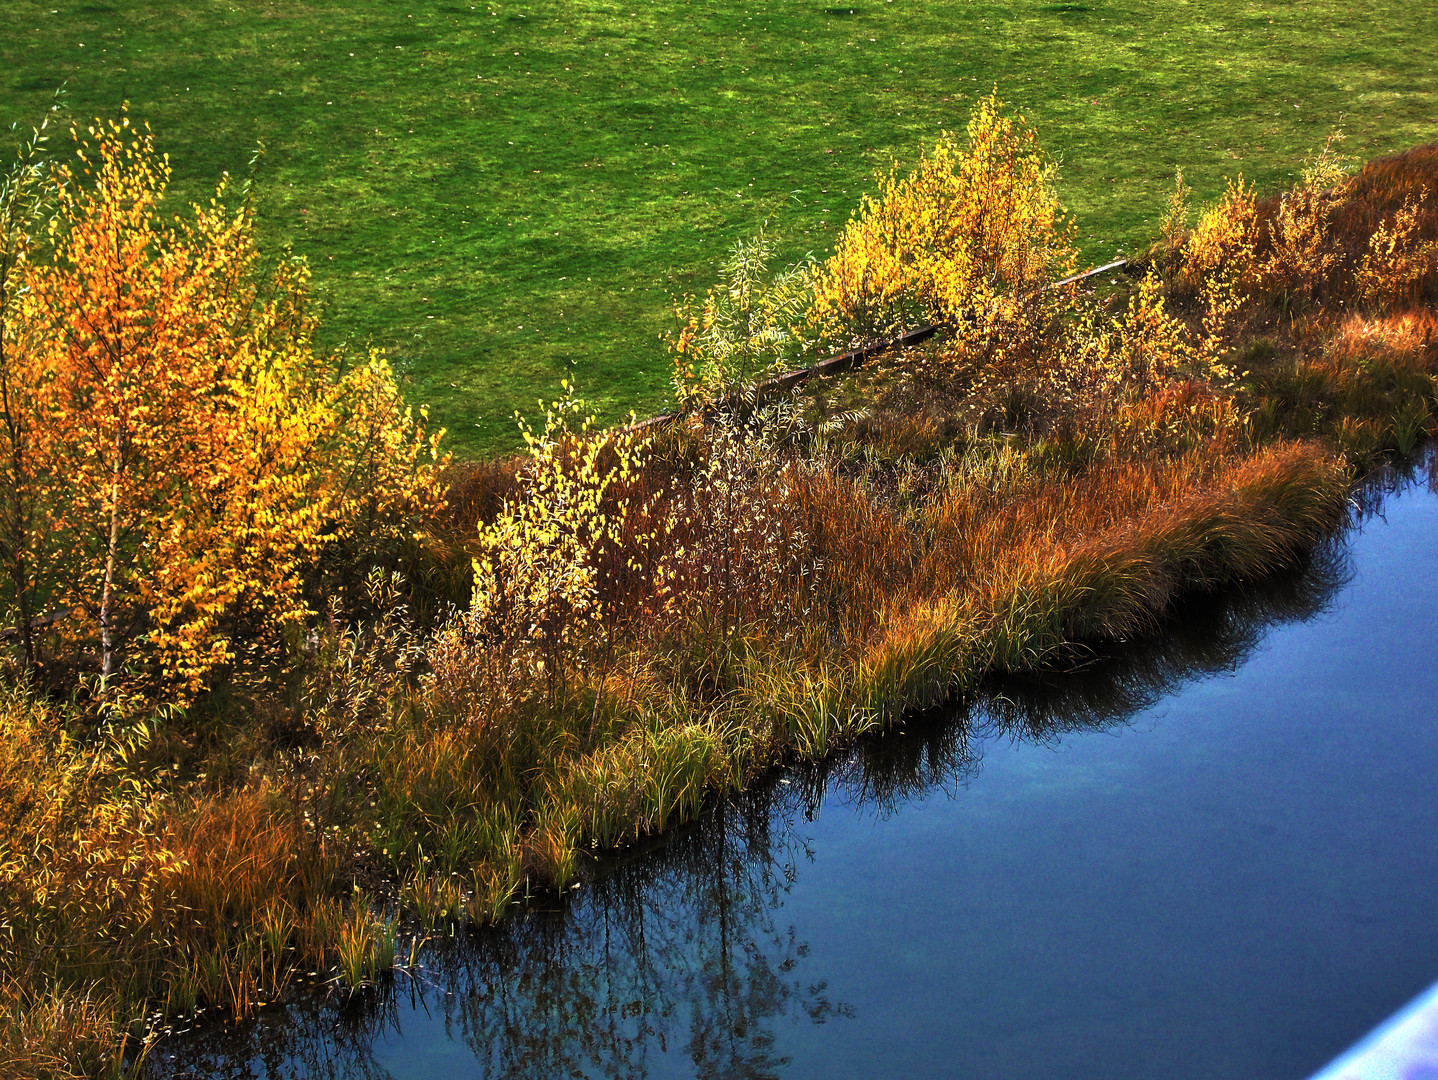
x,y
1099,690
680,960
675,949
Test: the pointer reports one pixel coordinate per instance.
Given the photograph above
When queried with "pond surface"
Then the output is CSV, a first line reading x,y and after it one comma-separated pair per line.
x,y
1215,855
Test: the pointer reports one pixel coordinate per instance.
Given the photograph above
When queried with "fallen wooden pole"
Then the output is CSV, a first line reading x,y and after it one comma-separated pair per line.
x,y
845,361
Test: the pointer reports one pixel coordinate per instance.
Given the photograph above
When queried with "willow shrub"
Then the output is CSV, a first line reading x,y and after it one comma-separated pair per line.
x,y
963,239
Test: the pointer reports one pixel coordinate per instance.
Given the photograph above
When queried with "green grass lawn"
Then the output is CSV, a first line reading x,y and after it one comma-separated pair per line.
x,y
498,193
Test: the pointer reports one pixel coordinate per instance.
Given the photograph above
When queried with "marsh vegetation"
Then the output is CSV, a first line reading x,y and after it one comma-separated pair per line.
x,y
290,689
1132,849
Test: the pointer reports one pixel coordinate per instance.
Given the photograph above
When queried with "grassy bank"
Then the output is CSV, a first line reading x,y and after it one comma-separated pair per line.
x,y
496,192
646,621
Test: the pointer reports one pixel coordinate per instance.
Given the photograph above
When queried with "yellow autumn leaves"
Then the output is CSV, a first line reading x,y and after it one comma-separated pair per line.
x,y
971,230
175,454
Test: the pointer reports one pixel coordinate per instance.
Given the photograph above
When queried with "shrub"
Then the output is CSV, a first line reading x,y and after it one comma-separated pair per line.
x,y
1398,261
752,322
734,568
1174,222
1301,255
1222,242
962,239
536,603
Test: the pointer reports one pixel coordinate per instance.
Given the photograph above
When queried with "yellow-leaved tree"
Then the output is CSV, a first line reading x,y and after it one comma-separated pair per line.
x,y
971,233
192,454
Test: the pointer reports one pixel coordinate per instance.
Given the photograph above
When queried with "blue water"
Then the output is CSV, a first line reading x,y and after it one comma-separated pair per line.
x,y
1215,855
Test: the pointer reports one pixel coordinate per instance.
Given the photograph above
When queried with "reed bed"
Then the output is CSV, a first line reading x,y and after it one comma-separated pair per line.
x,y
640,625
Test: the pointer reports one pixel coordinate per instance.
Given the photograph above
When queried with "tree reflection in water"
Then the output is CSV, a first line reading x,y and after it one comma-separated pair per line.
x,y
683,949
674,948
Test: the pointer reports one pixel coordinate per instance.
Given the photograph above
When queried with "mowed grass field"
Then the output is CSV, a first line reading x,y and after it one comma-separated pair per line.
x,y
503,195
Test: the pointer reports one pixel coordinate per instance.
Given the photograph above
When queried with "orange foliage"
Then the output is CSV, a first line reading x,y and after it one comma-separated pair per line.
x,y
204,454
